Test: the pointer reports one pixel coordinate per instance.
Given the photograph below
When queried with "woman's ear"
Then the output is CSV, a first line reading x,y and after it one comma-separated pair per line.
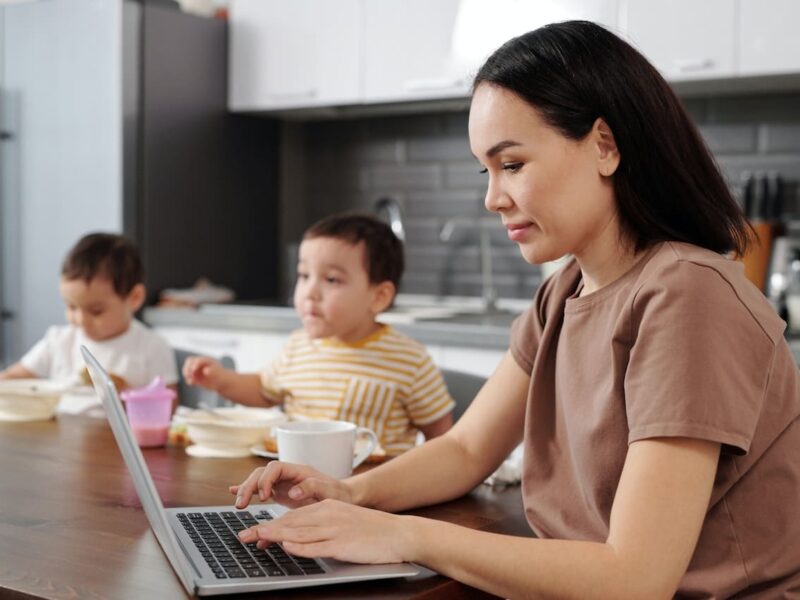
x,y
607,153
383,294
136,297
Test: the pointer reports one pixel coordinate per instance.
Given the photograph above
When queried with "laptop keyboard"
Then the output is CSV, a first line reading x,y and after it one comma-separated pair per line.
x,y
215,536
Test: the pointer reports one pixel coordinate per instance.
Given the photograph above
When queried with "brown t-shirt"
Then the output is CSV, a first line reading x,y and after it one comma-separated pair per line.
x,y
681,345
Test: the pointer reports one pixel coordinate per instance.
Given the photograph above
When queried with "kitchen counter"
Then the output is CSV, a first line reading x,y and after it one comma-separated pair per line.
x,y
470,330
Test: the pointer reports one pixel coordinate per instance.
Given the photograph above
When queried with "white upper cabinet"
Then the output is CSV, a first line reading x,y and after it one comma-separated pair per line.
x,y
769,42
684,39
409,51
418,49
294,53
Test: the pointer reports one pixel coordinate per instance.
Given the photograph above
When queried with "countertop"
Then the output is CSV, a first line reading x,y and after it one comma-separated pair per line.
x,y
473,330
456,323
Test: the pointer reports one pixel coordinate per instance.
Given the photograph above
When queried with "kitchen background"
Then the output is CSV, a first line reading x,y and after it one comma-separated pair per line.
x,y
214,142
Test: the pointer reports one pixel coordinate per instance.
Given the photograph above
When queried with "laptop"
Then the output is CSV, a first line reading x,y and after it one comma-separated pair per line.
x,y
201,542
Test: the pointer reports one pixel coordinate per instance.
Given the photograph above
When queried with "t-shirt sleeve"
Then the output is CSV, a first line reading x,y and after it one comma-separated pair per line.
x,y
428,400
161,359
526,330
699,363
39,359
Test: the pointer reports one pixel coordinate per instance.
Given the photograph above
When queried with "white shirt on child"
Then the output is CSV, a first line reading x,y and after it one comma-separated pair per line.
x,y
138,355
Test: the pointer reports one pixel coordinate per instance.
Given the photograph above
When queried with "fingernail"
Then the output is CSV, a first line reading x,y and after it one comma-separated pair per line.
x,y
238,501
295,492
245,535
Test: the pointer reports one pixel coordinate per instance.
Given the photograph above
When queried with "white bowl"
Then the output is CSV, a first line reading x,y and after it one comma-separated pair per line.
x,y
29,399
237,427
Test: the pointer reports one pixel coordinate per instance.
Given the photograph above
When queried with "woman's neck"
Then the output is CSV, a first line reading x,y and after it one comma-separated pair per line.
x,y
606,259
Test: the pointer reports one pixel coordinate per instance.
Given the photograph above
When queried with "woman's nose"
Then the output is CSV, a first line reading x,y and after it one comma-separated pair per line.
x,y
496,199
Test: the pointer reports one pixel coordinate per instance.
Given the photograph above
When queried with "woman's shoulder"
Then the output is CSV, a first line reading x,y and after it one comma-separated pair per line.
x,y
683,272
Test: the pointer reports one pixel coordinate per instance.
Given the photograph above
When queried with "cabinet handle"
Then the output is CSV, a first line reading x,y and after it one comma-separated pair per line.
x,y
687,65
212,342
433,83
310,93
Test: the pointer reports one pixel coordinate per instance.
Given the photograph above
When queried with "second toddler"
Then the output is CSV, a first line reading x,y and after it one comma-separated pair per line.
x,y
102,284
344,364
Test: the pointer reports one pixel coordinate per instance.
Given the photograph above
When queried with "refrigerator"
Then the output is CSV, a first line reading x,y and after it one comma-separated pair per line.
x,y
114,118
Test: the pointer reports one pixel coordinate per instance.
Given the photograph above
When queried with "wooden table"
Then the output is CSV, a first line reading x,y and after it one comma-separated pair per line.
x,y
71,525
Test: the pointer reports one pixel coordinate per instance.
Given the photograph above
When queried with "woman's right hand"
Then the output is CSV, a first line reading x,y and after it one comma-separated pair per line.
x,y
203,371
291,485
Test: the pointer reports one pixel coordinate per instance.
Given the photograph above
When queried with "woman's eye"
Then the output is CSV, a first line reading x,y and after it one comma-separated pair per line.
x,y
332,279
513,167
483,170
302,276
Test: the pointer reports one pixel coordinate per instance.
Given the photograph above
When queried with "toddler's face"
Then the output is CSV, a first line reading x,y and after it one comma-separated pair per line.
x,y
97,309
333,295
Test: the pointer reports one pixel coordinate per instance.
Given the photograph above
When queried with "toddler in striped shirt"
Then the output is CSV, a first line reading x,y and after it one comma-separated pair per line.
x,y
345,364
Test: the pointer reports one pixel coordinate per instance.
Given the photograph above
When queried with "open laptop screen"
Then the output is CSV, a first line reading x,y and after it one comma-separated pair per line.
x,y
132,455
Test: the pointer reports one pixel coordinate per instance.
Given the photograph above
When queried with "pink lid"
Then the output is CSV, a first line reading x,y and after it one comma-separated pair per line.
x,y
155,390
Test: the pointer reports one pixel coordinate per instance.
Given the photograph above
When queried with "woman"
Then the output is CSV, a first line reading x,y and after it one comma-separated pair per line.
x,y
656,397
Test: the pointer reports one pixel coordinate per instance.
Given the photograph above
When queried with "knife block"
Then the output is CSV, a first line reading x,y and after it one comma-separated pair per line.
x,y
756,260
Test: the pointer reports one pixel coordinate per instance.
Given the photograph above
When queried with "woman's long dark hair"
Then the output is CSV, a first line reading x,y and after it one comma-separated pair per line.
x,y
667,185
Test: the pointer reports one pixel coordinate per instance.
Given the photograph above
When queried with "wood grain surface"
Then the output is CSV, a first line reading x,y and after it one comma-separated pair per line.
x,y
71,525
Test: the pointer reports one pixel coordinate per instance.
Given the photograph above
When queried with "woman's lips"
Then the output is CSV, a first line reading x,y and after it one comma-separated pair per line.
x,y
516,233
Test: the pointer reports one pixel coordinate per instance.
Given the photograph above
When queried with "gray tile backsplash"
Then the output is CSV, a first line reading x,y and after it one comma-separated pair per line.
x,y
424,162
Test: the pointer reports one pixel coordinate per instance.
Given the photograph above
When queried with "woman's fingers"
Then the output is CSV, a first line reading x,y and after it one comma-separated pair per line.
x,y
245,490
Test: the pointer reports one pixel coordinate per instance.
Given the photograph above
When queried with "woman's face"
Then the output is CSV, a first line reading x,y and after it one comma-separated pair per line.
x,y
552,193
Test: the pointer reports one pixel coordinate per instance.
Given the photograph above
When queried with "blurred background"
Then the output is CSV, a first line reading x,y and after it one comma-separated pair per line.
x,y
214,132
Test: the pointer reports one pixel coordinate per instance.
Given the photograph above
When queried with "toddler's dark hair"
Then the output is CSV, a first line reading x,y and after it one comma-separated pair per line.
x,y
108,255
384,251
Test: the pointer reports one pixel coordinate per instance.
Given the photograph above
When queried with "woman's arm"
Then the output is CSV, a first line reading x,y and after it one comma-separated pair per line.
x,y
443,468
656,519
452,464
438,427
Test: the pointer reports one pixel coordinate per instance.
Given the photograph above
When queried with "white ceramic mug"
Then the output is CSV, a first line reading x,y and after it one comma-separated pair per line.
x,y
328,446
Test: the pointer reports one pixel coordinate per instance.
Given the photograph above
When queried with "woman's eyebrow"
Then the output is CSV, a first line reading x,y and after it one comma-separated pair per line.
x,y
501,146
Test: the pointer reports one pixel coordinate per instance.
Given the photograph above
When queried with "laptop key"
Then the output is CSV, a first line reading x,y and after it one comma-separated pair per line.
x,y
292,569
254,572
235,573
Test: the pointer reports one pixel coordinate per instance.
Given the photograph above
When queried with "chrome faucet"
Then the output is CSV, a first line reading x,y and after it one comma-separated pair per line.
x,y
485,224
389,210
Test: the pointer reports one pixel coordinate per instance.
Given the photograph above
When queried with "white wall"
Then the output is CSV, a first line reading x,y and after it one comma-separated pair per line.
x,y
62,87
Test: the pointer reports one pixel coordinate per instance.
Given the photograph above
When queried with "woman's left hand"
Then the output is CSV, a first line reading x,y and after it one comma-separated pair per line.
x,y
334,529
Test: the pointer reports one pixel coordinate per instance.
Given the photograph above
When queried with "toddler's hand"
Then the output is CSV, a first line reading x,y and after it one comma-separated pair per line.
x,y
203,371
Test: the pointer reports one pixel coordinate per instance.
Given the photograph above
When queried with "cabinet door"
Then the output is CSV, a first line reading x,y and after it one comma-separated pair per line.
x,y
769,42
294,53
418,50
684,39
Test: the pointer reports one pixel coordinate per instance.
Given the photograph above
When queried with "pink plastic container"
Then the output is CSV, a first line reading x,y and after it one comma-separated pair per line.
x,y
149,412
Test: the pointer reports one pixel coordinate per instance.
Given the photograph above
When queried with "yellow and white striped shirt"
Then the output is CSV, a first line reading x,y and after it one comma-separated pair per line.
x,y
386,382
